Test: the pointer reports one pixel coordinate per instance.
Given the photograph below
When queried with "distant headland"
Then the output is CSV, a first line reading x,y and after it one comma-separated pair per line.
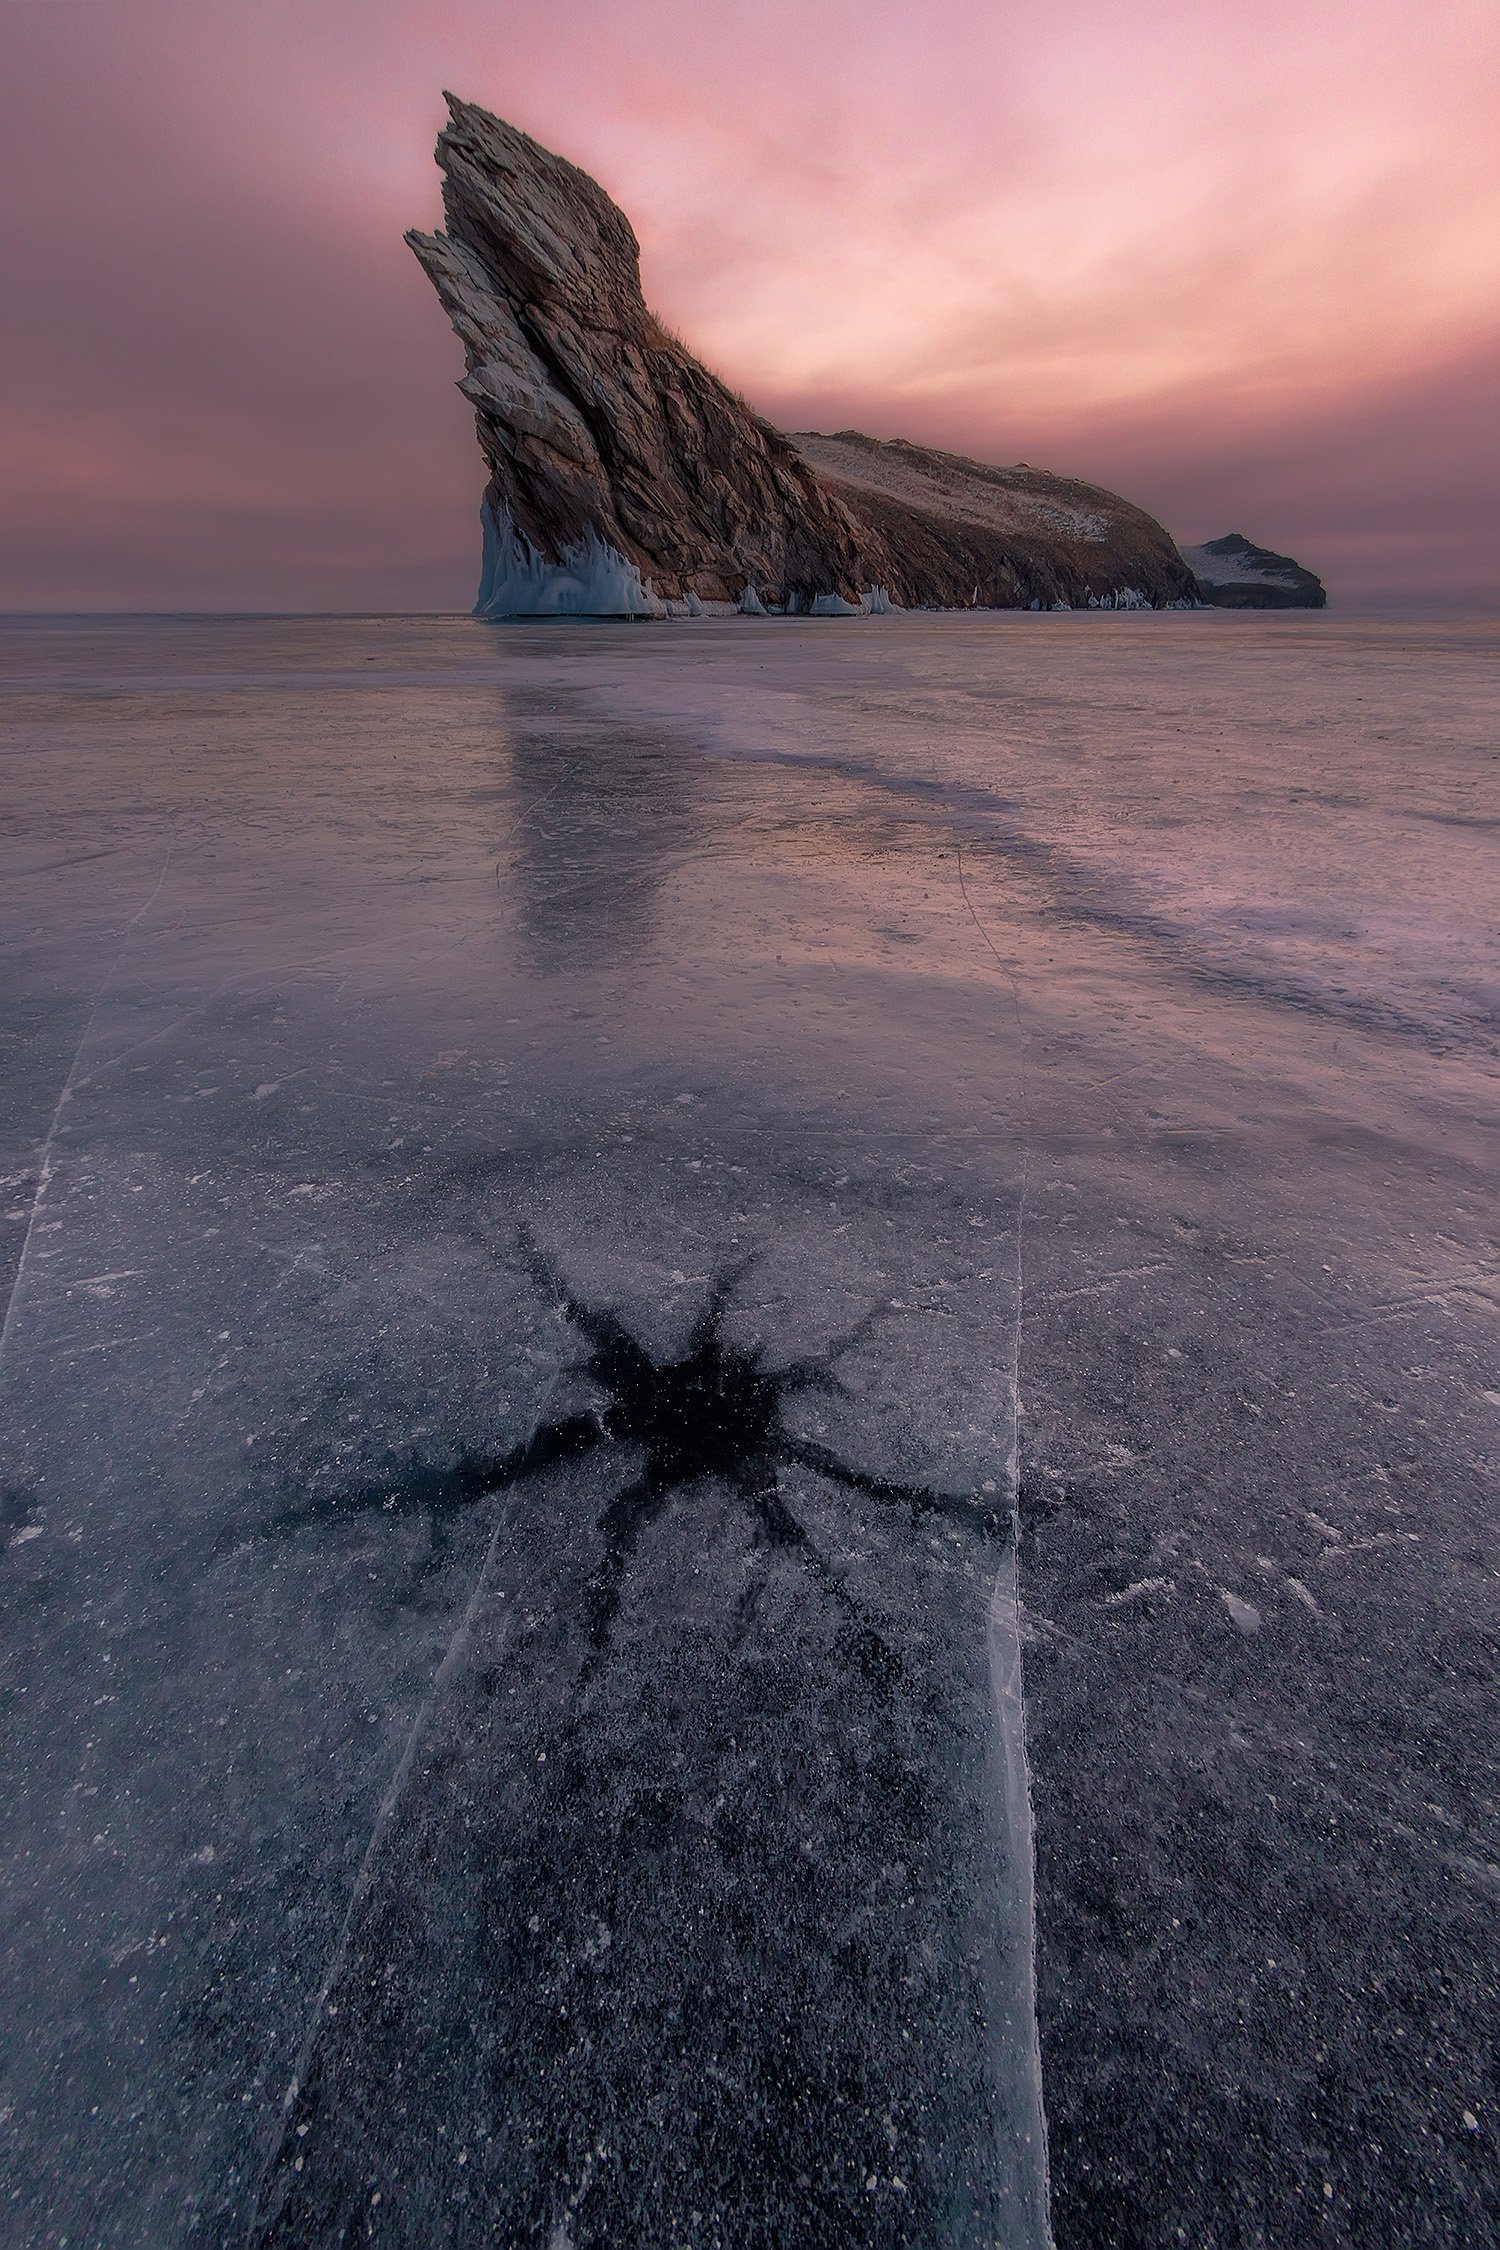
x,y
626,480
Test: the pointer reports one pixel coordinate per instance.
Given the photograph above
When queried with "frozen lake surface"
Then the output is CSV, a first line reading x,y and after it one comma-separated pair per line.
x,y
583,1204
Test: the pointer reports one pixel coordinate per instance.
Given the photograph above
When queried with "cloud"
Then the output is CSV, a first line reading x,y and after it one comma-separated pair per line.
x,y
1243,267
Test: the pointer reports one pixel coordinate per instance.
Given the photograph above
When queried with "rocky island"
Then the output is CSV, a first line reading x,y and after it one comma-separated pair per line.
x,y
1233,573
625,479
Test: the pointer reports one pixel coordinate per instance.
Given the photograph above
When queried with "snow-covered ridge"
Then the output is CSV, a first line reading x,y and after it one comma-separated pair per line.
x,y
1233,573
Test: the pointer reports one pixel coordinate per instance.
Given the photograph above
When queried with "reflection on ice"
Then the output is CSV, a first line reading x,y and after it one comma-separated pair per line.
x,y
602,817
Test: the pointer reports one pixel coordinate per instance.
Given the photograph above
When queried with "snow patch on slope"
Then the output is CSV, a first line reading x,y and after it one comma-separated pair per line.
x,y
1018,501
1219,564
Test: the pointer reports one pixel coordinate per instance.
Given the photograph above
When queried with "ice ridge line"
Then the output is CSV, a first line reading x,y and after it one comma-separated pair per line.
x,y
1026,2174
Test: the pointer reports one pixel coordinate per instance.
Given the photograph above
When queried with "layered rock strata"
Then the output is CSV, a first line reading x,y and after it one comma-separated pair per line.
x,y
625,479
1233,573
962,534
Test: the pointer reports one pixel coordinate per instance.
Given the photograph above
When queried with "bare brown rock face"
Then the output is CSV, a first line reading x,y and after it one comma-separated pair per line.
x,y
627,479
961,533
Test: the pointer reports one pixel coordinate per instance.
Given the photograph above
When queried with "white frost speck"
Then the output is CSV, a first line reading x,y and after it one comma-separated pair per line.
x,y
1245,1614
1134,1593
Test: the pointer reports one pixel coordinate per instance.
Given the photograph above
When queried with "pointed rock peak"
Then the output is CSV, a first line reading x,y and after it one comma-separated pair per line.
x,y
624,475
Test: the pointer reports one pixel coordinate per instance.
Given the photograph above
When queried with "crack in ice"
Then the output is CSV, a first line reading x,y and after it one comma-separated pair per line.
x,y
713,1412
45,1165
709,1413
380,1828
1029,2173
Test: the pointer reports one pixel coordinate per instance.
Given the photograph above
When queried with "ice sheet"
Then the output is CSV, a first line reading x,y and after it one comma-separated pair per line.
x,y
434,1784
445,1803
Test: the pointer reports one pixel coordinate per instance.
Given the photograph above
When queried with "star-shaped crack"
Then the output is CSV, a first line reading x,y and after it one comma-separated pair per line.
x,y
714,1412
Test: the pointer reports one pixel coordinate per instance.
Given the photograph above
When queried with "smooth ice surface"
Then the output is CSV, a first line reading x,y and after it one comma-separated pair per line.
x,y
532,1154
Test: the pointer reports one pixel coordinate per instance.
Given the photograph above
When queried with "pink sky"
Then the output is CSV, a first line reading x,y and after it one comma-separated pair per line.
x,y
1241,264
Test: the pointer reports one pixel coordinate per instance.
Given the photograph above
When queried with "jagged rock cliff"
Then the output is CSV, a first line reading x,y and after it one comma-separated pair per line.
x,y
1233,573
625,478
